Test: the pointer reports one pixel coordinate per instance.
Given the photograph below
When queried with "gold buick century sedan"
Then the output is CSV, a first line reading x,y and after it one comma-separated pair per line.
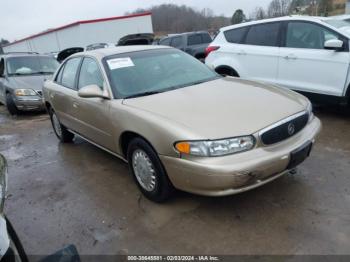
x,y
177,123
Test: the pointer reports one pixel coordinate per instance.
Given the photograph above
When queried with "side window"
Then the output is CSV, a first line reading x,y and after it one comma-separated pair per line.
x,y
90,74
235,35
263,35
176,41
307,35
59,75
194,39
165,41
70,72
206,39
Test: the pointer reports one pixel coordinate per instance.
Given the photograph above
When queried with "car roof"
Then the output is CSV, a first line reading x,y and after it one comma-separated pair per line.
x,y
186,33
284,18
103,52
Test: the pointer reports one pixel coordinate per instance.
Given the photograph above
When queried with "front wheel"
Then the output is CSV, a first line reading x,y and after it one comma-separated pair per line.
x,y
148,171
61,131
11,106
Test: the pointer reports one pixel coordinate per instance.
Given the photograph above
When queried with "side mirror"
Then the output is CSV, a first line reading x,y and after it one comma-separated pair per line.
x,y
334,44
92,91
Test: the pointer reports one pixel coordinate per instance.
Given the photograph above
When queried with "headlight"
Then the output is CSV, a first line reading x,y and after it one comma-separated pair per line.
x,y
210,148
309,111
25,92
3,182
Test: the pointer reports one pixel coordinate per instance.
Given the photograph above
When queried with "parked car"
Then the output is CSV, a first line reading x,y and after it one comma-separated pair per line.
x,y
193,43
99,46
11,248
21,79
62,55
338,19
307,54
178,123
136,39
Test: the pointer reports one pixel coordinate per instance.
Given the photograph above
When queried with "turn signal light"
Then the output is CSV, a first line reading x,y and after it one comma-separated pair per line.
x,y
183,147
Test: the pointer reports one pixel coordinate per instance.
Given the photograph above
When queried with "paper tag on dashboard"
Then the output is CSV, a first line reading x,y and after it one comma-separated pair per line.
x,y
120,63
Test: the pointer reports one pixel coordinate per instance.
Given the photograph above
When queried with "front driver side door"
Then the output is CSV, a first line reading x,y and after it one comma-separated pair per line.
x,y
305,64
92,114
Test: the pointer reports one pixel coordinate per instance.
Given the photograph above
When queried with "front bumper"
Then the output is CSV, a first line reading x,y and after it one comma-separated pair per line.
x,y
11,248
220,176
29,103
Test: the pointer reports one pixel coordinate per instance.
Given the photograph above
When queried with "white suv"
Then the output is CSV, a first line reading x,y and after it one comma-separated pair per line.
x,y
307,54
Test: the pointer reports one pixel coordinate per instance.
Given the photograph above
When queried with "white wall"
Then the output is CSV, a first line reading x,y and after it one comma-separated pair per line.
x,y
84,34
112,31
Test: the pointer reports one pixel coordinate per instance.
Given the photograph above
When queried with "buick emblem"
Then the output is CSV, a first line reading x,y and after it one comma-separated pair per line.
x,y
291,129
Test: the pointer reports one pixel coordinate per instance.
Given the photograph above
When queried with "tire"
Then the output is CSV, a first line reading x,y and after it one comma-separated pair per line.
x,y
152,180
10,105
61,131
226,71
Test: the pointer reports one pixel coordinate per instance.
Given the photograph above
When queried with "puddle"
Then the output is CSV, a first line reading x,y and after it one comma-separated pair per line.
x,y
12,154
4,138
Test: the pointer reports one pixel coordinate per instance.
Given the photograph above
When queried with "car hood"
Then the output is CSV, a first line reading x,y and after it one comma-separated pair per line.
x,y
223,108
345,30
34,82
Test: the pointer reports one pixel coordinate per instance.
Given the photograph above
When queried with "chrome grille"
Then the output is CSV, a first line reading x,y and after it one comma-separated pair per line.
x,y
284,129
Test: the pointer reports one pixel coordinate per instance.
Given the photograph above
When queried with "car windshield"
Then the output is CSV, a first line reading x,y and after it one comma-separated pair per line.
x,y
337,23
30,65
154,71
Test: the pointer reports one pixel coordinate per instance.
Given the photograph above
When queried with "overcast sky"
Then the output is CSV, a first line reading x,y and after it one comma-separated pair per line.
x,y
21,18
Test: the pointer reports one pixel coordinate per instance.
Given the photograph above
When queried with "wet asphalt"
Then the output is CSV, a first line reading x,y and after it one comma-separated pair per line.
x,y
76,193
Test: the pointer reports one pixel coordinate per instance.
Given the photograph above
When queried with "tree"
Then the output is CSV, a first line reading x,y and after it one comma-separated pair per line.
x,y
325,7
278,8
258,14
170,18
238,17
2,43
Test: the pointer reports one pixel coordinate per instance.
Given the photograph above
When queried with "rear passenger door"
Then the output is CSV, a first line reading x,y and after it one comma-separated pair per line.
x,y
64,92
255,50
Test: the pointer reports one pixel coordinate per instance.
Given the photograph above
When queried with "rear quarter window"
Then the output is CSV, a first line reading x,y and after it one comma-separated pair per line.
x,y
235,36
263,34
206,39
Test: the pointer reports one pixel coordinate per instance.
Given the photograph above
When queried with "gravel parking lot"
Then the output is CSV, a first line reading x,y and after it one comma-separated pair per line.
x,y
76,193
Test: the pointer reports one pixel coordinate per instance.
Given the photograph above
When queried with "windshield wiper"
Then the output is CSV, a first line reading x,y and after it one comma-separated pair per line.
x,y
143,94
43,73
17,74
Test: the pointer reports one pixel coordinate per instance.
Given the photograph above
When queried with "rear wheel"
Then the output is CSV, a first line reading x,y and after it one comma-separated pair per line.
x,y
11,106
148,171
61,131
226,71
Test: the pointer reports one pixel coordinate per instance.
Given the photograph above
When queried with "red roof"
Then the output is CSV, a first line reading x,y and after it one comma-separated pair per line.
x,y
78,23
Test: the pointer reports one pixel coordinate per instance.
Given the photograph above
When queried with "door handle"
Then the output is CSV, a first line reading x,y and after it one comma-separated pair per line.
x,y
290,57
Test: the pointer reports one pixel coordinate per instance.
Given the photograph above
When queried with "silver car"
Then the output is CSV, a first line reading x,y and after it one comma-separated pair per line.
x,y
21,79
